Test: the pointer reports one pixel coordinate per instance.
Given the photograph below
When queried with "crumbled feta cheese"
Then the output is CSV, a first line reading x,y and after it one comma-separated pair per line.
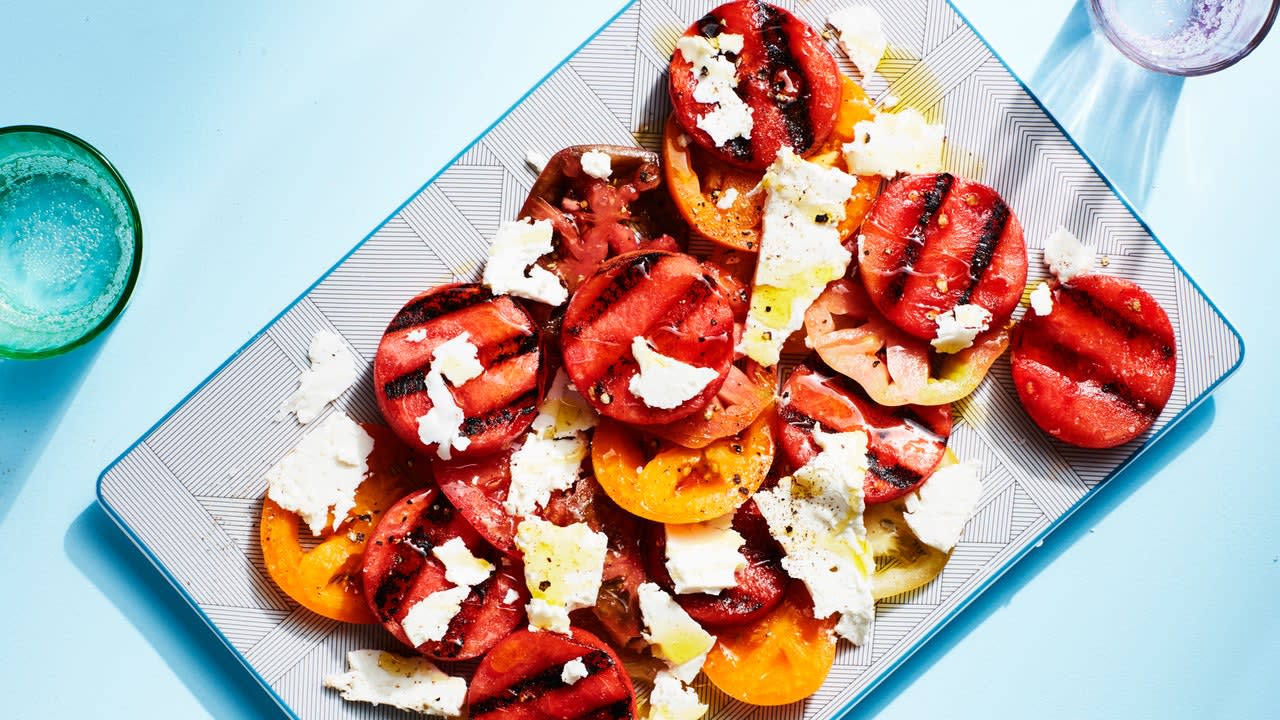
x,y
457,359
512,268
322,472
460,566
664,382
535,160
1042,299
415,335
407,683
816,516
597,164
704,557
727,198
861,36
573,671
332,371
675,637
429,618
671,700
938,510
717,79
553,451
889,102
800,251
442,425
895,142
562,568
958,327
1066,256
510,597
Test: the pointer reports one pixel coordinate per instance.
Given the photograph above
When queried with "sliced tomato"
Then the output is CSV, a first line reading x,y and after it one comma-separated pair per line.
x,y
671,484
748,391
400,570
477,487
326,578
904,442
700,181
853,338
521,679
903,563
667,299
499,404
781,658
785,74
1097,370
596,218
761,583
932,242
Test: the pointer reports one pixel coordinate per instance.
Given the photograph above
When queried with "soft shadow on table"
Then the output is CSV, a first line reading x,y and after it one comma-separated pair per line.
x,y
1106,498
1116,110
213,675
33,396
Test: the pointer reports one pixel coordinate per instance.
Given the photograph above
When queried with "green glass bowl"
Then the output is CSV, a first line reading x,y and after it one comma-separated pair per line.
x,y
70,242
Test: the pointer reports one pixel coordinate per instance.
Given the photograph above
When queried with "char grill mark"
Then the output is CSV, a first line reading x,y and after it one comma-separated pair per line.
x,y
438,304
1110,317
620,710
710,26
1084,370
933,199
894,474
986,248
514,347
521,406
788,87
455,635
416,381
535,686
637,269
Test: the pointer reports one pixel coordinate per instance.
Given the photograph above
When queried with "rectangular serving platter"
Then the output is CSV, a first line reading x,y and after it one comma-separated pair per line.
x,y
204,461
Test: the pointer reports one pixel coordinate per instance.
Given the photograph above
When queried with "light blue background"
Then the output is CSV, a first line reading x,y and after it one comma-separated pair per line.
x,y
263,140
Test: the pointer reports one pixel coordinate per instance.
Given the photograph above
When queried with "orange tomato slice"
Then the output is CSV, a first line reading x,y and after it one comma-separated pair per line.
x,y
326,578
747,391
781,658
677,484
699,181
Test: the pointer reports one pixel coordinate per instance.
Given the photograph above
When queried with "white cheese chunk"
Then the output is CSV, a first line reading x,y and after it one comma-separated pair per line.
x,y
672,700
535,160
958,327
415,335
1042,299
800,251
553,451
457,360
512,268
673,635
460,566
727,198
322,472
938,510
861,36
816,516
510,597
597,164
704,557
895,142
664,382
562,568
407,683
573,671
1066,256
717,78
429,618
332,371
442,425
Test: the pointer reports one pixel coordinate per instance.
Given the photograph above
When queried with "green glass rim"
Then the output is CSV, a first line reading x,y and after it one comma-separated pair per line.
x,y
134,269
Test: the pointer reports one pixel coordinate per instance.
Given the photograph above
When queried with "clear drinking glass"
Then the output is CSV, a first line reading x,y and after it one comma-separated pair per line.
x,y
1185,37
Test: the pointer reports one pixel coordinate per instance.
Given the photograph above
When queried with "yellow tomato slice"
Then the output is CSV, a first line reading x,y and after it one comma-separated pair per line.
x,y
326,578
781,658
678,484
903,563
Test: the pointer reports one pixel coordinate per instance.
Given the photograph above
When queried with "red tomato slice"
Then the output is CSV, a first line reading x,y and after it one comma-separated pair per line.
x,y
1097,370
477,487
761,584
785,74
326,578
400,570
904,443
932,242
520,679
665,298
500,404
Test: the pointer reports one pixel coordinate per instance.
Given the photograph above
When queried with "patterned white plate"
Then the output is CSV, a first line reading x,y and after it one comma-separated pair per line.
x,y
203,462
